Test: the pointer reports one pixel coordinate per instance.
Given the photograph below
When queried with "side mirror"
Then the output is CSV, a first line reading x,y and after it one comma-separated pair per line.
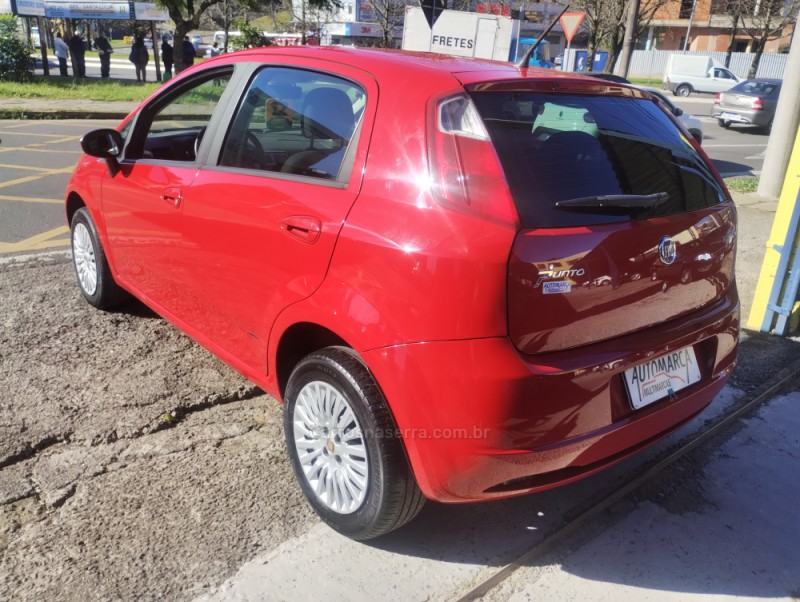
x,y
677,112
105,144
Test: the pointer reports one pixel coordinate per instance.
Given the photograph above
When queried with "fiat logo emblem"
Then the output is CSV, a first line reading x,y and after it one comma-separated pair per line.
x,y
667,250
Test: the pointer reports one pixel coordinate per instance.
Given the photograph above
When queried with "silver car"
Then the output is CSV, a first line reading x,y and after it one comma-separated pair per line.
x,y
752,102
689,121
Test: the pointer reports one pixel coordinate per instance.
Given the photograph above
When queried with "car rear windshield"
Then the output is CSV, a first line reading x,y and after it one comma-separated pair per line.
x,y
559,147
755,88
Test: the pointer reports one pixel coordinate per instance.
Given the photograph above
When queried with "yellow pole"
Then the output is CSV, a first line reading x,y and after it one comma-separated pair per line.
x,y
778,236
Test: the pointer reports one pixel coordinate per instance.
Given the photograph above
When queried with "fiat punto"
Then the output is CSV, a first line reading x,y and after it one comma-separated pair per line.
x,y
465,280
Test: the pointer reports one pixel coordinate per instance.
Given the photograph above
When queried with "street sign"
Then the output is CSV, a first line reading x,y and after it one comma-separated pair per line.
x,y
570,23
432,10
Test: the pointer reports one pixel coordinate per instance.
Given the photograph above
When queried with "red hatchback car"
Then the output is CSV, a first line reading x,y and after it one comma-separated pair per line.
x,y
466,280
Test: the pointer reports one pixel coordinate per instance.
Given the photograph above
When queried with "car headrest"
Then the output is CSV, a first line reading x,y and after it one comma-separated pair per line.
x,y
328,114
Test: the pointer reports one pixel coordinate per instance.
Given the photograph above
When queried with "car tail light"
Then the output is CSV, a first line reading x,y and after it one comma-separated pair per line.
x,y
757,104
466,174
717,99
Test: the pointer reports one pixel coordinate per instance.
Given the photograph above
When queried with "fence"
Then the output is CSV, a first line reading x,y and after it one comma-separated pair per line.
x,y
653,63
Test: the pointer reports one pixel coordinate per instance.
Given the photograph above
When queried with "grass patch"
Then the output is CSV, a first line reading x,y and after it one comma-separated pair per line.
x,y
742,184
643,81
66,88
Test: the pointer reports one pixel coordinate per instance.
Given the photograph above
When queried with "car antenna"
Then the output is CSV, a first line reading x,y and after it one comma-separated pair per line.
x,y
526,58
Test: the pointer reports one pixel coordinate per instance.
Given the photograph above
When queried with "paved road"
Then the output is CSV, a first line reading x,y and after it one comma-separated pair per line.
x,y
736,151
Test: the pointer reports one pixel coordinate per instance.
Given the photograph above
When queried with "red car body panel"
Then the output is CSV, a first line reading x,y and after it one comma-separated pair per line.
x,y
496,390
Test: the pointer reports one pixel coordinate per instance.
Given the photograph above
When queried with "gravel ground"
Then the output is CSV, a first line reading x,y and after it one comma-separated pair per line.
x,y
133,464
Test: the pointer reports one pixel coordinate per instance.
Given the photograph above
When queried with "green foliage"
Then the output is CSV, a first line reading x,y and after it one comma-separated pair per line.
x,y
66,88
8,25
742,184
16,63
250,38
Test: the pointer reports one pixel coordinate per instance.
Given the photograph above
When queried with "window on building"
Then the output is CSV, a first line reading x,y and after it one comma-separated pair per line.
x,y
686,9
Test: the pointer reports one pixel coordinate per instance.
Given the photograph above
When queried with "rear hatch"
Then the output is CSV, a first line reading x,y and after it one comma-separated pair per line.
x,y
624,223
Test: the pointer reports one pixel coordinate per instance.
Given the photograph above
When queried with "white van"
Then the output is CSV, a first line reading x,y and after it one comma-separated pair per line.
x,y
692,73
219,37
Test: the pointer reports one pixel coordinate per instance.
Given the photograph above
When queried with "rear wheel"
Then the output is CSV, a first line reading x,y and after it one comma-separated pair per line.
x,y
724,123
91,267
345,448
683,90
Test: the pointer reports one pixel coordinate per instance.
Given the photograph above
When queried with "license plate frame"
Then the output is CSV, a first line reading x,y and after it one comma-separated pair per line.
x,y
732,116
661,377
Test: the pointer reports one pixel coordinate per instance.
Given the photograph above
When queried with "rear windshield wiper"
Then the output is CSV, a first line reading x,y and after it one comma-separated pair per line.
x,y
615,201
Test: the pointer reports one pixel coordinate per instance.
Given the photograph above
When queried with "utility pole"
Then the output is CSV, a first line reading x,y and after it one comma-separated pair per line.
x,y
784,127
629,41
689,28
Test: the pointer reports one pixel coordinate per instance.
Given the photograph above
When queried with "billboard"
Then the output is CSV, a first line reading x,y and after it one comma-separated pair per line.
x,y
66,9
28,8
146,11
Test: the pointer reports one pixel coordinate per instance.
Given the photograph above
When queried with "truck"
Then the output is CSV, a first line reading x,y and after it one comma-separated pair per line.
x,y
479,35
687,73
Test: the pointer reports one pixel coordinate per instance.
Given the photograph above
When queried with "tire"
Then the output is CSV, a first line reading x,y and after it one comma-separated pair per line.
x,y
378,493
724,123
91,267
683,90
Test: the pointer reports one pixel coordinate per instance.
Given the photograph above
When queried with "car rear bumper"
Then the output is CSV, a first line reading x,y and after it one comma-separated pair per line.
x,y
759,118
481,421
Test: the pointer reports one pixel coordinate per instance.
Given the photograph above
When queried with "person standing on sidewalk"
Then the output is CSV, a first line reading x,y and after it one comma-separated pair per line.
x,y
167,57
140,57
62,52
104,50
189,53
78,49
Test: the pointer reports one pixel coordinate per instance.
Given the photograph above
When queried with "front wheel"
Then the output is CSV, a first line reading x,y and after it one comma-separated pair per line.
x,y
683,90
345,448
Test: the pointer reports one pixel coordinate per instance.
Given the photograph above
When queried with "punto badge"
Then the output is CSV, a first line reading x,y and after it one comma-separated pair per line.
x,y
667,250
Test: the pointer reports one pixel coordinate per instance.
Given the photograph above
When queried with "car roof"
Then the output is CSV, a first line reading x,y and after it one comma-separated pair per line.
x,y
390,63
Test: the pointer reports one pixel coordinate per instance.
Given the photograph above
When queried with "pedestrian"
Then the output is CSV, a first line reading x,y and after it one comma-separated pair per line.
x,y
104,50
167,57
188,52
214,50
62,52
78,49
140,57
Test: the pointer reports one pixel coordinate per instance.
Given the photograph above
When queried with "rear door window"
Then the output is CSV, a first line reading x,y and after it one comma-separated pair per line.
x,y
558,147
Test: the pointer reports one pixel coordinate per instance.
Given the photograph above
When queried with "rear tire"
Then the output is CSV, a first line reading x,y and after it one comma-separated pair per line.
x,y
91,267
683,90
345,448
724,123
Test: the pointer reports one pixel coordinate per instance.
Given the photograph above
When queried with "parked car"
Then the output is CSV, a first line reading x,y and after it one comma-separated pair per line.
x,y
487,284
689,121
752,102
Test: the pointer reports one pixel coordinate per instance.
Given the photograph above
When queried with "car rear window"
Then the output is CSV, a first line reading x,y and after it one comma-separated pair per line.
x,y
755,88
558,147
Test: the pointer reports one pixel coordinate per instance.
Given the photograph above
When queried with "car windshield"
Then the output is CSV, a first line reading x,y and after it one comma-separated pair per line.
x,y
559,147
755,88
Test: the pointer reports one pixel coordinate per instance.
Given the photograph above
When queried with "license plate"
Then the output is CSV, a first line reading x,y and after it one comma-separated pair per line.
x,y
661,377
732,117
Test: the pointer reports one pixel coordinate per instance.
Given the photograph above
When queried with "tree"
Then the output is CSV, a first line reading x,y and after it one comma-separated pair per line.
x,y
16,63
313,15
186,15
617,24
388,14
767,21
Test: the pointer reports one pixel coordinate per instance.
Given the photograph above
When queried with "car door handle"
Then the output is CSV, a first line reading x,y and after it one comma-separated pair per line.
x,y
302,227
172,196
